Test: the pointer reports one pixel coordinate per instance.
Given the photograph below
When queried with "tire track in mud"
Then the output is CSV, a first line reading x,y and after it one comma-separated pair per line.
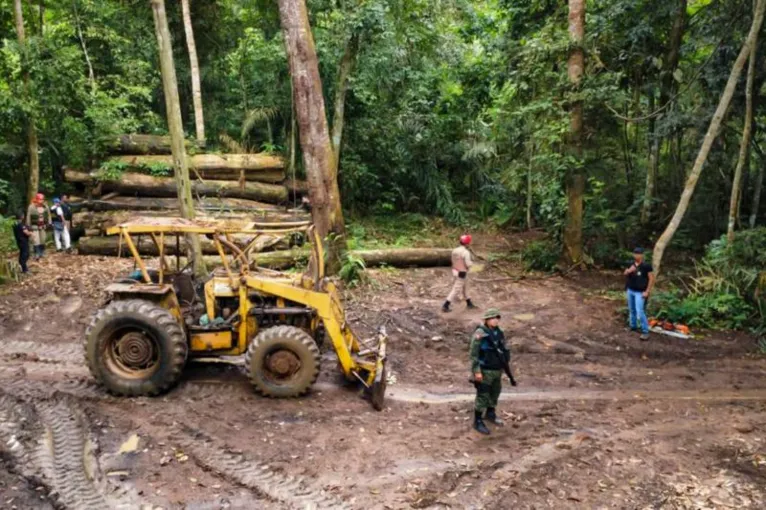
x,y
49,441
70,353
288,490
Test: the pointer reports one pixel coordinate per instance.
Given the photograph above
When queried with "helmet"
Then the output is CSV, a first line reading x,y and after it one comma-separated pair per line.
x,y
492,313
57,200
39,197
465,239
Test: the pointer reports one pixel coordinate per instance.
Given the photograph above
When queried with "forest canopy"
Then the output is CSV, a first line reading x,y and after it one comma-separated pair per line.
x,y
457,107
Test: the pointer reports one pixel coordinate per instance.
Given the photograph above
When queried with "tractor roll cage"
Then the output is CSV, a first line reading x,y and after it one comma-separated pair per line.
x,y
220,233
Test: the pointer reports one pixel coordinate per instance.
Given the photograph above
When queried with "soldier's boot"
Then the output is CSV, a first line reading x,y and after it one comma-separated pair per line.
x,y
478,423
469,304
492,417
445,307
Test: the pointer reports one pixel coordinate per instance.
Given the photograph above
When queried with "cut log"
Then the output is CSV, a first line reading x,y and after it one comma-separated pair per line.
x,y
110,245
141,144
148,186
255,167
170,204
101,220
407,257
297,187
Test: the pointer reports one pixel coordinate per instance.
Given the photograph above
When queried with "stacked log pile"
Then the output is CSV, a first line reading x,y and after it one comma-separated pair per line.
x,y
242,187
136,179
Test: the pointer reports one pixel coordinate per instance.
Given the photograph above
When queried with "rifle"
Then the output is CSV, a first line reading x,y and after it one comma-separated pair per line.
x,y
506,368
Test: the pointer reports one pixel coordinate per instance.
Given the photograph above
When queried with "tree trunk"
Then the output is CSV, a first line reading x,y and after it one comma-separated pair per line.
x,y
651,171
91,74
575,186
175,126
199,120
667,86
32,145
318,157
710,136
141,144
530,221
148,186
257,167
345,69
744,147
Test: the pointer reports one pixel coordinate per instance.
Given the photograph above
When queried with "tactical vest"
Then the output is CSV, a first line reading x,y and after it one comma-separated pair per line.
x,y
492,352
36,218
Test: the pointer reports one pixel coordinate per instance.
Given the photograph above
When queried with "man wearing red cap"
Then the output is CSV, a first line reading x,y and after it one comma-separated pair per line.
x,y
38,219
461,263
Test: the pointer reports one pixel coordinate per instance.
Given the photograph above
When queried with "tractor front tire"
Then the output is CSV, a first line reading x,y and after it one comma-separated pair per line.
x,y
282,362
135,348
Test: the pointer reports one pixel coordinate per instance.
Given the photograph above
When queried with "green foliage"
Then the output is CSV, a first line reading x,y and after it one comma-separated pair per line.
x,y
7,241
727,290
541,255
352,272
111,171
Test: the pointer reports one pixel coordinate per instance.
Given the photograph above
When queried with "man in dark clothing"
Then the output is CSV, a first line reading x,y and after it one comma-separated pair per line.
x,y
22,234
67,209
489,358
639,282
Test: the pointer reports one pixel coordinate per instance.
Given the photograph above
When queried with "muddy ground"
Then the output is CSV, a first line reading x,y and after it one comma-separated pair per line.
x,y
599,419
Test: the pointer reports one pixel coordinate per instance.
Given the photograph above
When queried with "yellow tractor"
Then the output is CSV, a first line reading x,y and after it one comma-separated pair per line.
x,y
140,341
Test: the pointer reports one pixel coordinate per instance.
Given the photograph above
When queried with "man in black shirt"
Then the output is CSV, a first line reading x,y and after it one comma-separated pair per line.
x,y
639,283
21,233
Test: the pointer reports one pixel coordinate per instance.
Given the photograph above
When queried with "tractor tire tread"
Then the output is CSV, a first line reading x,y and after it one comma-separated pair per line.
x,y
298,338
164,320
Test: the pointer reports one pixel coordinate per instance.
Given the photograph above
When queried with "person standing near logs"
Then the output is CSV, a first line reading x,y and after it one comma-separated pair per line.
x,y
60,227
38,219
461,264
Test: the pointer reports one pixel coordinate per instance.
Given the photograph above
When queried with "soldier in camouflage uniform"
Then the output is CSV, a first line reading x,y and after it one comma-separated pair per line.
x,y
490,357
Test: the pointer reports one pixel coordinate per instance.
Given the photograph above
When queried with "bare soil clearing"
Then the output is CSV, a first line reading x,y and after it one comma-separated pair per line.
x,y
599,420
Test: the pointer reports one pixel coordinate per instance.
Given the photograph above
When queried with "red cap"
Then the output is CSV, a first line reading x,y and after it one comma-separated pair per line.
x,y
465,239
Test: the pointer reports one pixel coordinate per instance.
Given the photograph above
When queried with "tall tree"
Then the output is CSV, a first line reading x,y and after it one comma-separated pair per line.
x,y
199,119
575,186
316,147
667,86
175,126
344,71
710,136
744,147
32,145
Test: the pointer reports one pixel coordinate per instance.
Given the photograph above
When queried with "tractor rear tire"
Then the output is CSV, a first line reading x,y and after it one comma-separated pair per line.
x,y
135,348
283,362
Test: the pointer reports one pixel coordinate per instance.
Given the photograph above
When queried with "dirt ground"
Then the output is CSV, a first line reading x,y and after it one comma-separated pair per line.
x,y
599,419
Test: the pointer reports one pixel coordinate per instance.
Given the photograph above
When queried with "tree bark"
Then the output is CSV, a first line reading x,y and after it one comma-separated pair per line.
x,y
744,147
199,120
345,69
667,86
318,157
148,186
710,136
575,186
175,126
32,144
256,167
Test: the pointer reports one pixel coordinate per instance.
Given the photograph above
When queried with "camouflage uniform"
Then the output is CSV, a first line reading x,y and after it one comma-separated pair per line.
x,y
488,356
